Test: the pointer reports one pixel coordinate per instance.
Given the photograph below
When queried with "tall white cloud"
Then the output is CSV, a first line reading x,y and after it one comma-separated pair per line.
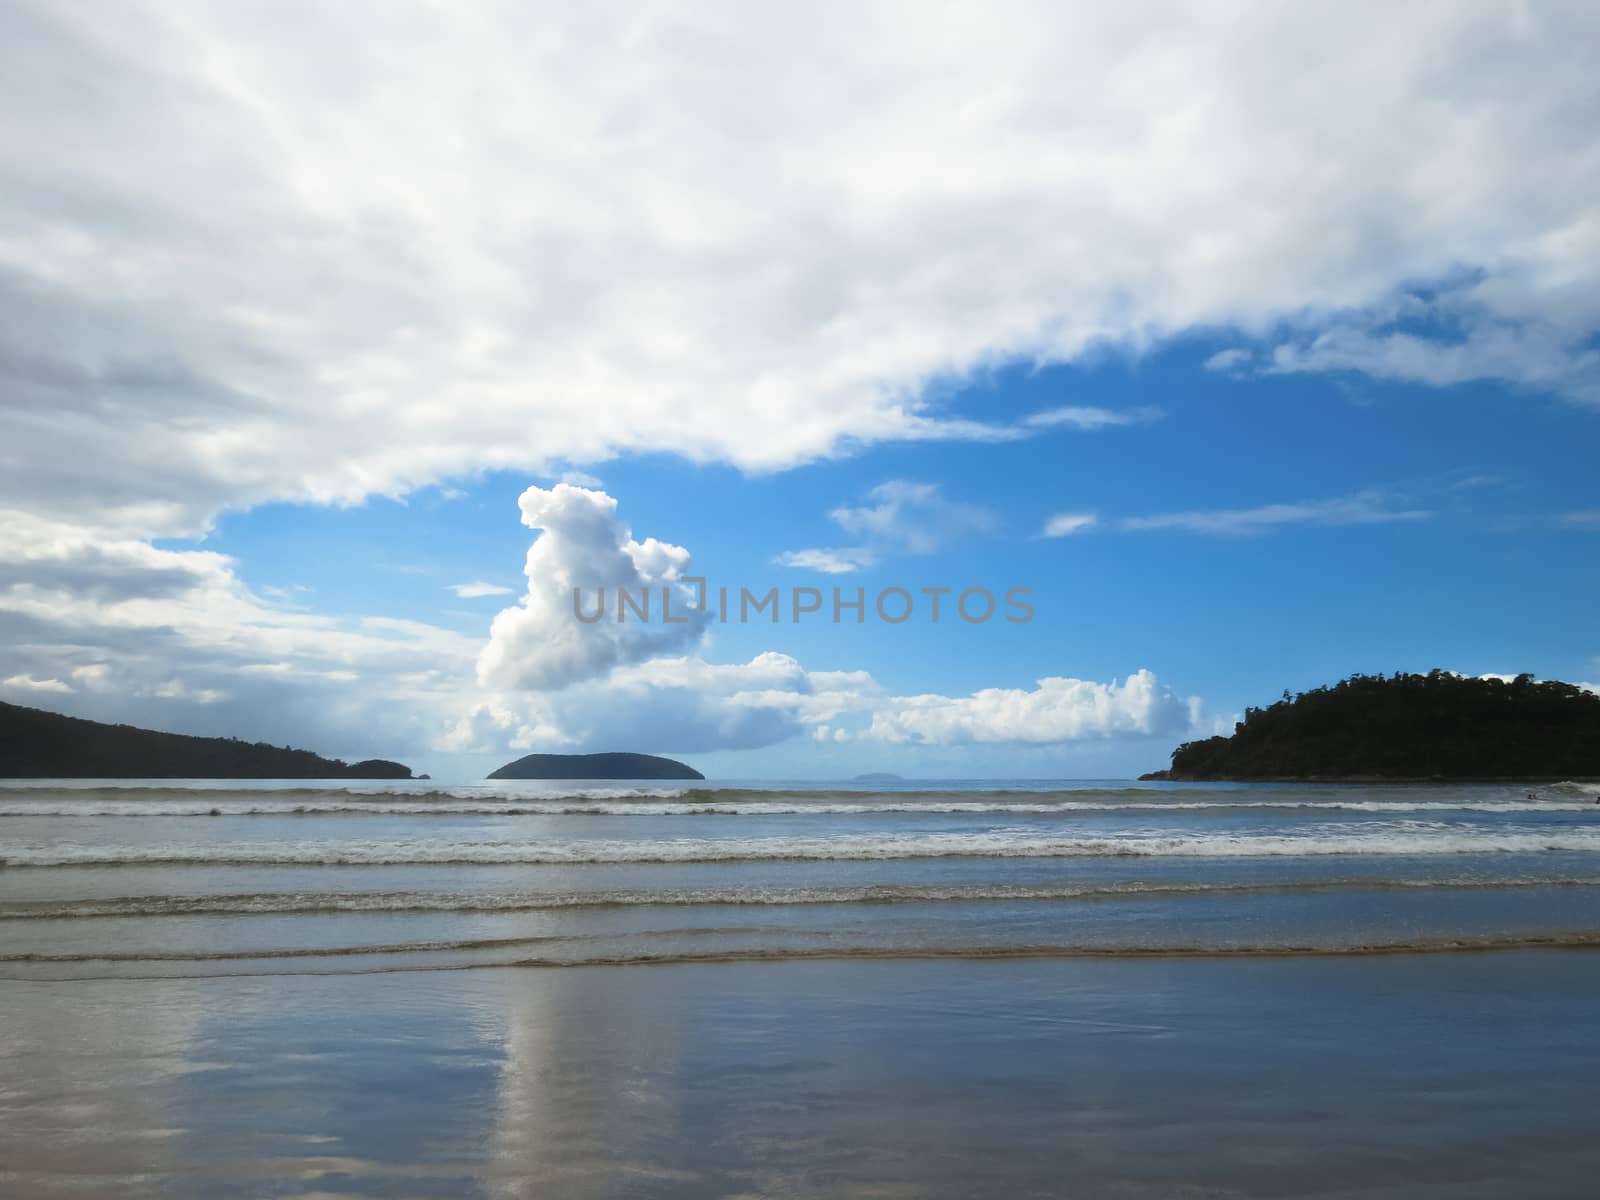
x,y
573,622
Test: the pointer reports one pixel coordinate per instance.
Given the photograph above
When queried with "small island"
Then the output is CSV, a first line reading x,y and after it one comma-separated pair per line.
x,y
878,777
1438,726
595,766
35,744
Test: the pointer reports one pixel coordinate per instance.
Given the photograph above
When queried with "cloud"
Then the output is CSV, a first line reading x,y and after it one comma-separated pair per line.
x,y
1063,524
839,561
1085,418
117,630
1361,508
1497,327
291,260
477,589
173,639
1587,518
27,683
670,705
687,705
911,518
48,556
181,643
902,518
1054,710
583,548
1228,360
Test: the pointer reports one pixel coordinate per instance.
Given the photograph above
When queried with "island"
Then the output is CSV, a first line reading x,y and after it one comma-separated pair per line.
x,y
1438,726
878,777
595,766
35,744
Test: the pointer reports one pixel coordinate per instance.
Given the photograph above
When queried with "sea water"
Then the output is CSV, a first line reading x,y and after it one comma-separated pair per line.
x,y
727,988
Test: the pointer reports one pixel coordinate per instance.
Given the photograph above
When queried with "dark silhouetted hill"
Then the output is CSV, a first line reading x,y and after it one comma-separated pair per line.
x,y
35,744
595,766
1433,726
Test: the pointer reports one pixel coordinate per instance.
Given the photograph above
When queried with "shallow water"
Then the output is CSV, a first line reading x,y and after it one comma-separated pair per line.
x,y
795,990
1447,1075
142,879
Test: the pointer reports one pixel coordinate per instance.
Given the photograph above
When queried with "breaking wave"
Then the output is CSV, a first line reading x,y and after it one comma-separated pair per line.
x,y
1412,838
423,956
309,903
200,802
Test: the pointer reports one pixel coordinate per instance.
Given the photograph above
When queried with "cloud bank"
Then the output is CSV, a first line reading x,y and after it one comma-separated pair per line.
x,y
317,253
559,683
115,629
323,252
1054,710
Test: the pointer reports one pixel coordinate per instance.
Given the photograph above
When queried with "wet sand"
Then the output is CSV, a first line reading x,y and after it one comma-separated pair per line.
x,y
1441,1075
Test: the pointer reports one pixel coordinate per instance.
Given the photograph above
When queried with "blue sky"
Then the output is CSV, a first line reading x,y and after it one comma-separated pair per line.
x,y
1280,321
1492,576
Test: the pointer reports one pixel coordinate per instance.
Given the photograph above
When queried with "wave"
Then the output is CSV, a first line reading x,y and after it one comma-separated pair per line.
x,y
312,903
1569,788
1397,838
775,804
598,957
556,790
456,944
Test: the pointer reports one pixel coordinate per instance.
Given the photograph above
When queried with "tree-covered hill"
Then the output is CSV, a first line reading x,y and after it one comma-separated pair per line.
x,y
595,766
1433,726
35,744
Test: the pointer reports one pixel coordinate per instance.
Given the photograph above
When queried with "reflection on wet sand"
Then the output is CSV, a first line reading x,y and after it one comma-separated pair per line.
x,y
81,1114
1468,1074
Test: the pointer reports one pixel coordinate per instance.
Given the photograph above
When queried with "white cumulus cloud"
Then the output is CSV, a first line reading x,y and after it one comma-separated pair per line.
x,y
1054,710
687,705
583,563
671,705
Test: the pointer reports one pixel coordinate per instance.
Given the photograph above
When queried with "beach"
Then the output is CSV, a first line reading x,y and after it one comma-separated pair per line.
x,y
1054,988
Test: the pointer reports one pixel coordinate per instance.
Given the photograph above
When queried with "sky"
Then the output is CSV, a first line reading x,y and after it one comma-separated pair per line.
x,y
1237,348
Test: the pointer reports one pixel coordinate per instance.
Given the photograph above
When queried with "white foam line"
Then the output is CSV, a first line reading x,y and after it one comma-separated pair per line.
x,y
1397,838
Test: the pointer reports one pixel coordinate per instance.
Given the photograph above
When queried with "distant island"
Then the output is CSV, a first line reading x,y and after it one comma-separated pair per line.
x,y
1408,727
35,744
595,766
878,777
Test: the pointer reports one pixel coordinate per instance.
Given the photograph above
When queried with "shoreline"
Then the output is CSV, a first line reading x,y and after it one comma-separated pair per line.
x,y
1431,780
1458,1075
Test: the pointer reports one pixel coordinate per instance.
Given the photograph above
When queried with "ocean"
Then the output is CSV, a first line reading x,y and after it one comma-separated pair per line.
x,y
930,988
